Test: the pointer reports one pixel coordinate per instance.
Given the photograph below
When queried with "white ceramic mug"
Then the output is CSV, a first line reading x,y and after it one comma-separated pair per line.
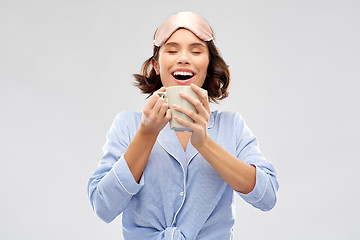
x,y
172,97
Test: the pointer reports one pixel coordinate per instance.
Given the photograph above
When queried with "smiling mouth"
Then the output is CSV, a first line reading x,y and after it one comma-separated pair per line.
x,y
182,76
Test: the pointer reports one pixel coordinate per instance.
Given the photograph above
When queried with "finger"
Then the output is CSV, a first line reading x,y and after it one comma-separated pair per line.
x,y
150,103
162,89
191,114
157,106
163,109
168,115
196,102
203,95
198,90
187,124
160,92
205,100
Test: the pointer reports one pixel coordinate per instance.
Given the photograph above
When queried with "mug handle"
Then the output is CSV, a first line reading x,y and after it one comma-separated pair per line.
x,y
161,94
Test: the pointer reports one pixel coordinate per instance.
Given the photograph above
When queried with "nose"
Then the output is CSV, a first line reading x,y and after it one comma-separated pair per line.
x,y
184,58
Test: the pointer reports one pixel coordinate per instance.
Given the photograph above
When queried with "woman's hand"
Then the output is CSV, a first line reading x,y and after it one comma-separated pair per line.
x,y
201,118
156,113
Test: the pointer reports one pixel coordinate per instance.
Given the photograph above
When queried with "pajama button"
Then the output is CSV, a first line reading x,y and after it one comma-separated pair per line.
x,y
181,193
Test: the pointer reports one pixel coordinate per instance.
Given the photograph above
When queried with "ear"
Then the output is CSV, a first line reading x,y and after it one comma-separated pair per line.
x,y
156,66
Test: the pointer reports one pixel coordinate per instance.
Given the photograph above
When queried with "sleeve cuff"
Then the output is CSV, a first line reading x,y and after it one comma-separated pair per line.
x,y
259,190
125,177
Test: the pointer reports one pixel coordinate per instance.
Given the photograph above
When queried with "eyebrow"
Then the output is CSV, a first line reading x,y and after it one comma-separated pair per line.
x,y
196,44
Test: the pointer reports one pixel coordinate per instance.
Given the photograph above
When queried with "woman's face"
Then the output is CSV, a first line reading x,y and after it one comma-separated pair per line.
x,y
183,60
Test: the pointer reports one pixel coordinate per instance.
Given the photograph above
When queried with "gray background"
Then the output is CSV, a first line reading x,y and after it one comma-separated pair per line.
x,y
66,71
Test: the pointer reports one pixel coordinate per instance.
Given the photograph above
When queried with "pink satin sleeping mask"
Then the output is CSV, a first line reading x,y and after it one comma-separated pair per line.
x,y
187,20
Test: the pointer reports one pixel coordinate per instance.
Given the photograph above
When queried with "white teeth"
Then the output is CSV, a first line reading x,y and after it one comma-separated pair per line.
x,y
183,73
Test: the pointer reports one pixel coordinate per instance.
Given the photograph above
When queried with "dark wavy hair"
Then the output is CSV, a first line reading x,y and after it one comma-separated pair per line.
x,y
216,82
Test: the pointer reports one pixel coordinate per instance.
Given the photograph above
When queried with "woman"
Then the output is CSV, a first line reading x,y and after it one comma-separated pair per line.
x,y
180,185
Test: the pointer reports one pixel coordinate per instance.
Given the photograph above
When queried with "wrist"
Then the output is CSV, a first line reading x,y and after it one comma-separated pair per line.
x,y
205,145
146,132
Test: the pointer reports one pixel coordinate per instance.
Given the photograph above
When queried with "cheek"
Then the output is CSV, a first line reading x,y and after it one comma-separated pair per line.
x,y
163,63
205,65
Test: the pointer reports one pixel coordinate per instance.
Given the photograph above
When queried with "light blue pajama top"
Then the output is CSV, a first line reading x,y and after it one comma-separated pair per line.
x,y
179,196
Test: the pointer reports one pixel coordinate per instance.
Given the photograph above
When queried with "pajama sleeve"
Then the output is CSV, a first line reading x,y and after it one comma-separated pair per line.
x,y
263,196
112,184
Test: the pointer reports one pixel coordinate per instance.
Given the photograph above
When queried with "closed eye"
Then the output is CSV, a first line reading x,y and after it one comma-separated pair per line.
x,y
197,50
